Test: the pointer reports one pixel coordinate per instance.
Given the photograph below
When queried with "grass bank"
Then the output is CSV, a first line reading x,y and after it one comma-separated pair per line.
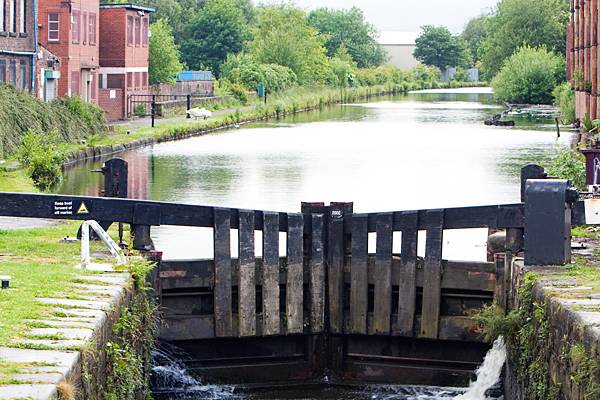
x,y
41,265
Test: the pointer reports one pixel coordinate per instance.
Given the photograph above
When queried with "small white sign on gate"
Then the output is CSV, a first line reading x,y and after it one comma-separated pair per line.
x,y
592,211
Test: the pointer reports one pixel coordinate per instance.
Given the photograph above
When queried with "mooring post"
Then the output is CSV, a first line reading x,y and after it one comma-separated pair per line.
x,y
189,105
153,109
548,204
531,171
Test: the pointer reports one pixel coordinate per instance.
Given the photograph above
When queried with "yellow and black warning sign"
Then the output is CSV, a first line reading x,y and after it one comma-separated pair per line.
x,y
83,209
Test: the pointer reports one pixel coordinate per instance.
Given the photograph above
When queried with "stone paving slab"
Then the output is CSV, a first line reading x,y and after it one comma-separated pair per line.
x,y
64,323
34,392
67,333
66,303
11,223
76,330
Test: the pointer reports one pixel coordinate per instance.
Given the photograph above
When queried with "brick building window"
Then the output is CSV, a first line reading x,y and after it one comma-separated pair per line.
x,y
129,80
2,70
23,19
53,27
115,81
92,29
138,32
76,26
13,72
138,80
23,75
84,27
145,33
2,16
144,80
13,15
75,77
129,31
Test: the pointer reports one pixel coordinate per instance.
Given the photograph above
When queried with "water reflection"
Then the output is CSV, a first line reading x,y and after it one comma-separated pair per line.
x,y
411,152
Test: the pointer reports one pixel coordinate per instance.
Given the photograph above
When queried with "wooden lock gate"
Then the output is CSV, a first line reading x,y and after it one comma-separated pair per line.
x,y
328,307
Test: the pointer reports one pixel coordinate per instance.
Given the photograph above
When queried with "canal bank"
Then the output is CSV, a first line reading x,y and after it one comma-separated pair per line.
x,y
553,329
67,333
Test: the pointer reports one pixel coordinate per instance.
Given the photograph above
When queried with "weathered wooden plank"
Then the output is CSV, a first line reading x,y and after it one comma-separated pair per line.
x,y
317,276
383,275
270,274
222,293
407,284
358,276
246,275
500,294
295,277
335,275
432,275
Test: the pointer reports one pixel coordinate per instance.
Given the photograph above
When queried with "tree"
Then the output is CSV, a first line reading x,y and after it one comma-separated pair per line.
x,y
518,23
283,36
349,29
529,76
163,54
436,46
218,30
474,34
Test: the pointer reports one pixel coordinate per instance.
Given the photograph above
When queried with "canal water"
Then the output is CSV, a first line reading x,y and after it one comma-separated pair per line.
x,y
422,150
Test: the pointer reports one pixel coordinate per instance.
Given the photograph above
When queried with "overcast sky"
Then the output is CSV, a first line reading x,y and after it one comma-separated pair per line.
x,y
410,15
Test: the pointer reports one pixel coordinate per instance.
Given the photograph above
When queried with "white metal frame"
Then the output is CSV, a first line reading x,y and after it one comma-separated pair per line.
x,y
85,243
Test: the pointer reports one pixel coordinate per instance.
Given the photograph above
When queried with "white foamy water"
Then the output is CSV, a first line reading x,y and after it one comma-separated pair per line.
x,y
488,374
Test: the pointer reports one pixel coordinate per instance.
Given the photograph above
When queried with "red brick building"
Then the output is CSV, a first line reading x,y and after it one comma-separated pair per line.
x,y
69,29
18,46
124,37
582,56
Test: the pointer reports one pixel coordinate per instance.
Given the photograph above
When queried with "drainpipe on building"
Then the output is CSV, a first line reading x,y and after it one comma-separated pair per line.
x,y
35,47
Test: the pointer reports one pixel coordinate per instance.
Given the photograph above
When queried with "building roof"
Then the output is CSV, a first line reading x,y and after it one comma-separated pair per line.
x,y
397,38
128,6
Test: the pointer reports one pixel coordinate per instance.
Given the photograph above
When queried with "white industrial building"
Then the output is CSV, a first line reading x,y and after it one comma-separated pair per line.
x,y
400,47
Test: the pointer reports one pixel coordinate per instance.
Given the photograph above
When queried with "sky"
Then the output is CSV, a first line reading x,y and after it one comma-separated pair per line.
x,y
410,15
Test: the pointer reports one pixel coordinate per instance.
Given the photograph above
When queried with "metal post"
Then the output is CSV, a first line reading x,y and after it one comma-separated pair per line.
x,y
548,221
153,109
531,171
189,105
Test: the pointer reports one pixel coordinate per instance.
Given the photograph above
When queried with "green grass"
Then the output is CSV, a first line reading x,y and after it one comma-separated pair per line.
x,y
16,181
583,232
40,266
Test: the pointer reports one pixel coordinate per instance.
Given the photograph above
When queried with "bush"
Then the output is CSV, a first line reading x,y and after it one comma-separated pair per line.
x,y
529,76
564,99
239,92
569,164
243,70
42,158
20,112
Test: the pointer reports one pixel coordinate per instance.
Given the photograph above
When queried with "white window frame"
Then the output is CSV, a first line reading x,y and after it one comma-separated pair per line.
x,y
2,16
13,16
57,30
23,19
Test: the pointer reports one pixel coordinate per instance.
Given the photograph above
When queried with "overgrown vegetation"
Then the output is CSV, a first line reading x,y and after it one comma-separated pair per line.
x,y
42,158
564,99
529,77
569,164
129,352
71,118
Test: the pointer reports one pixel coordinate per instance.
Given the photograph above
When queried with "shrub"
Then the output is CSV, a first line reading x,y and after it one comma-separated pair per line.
x,y
244,70
564,99
42,159
239,92
529,76
20,112
569,164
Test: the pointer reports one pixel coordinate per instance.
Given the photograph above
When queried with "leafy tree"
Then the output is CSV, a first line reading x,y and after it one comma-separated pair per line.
x,y
348,28
518,23
474,34
220,29
436,46
283,36
163,54
529,76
